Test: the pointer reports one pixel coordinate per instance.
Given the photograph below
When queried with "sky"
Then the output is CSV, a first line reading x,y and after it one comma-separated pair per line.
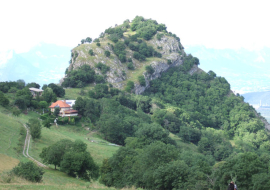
x,y
213,24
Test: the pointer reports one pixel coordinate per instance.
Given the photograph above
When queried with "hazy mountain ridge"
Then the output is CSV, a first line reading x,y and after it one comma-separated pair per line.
x,y
246,70
44,63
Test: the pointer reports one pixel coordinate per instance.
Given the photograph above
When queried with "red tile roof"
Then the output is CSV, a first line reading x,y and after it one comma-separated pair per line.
x,y
60,104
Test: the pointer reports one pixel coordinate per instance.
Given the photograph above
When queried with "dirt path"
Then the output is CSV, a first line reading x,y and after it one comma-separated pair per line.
x,y
26,148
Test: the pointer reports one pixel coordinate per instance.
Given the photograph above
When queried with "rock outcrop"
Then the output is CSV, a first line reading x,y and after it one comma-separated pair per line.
x,y
168,46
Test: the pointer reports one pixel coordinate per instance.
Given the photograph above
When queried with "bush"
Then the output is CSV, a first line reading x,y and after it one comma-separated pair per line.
x,y
159,36
104,68
150,69
169,61
91,52
98,44
141,80
130,66
29,171
107,53
130,86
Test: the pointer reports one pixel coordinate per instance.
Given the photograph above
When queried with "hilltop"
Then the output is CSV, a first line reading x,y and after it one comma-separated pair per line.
x,y
126,50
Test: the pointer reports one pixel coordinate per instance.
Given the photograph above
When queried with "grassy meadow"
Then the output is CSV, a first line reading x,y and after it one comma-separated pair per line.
x,y
11,146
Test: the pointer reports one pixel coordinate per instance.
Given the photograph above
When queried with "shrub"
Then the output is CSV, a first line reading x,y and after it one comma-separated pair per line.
x,y
104,68
29,171
139,56
159,36
130,66
98,44
141,80
130,86
91,52
107,53
149,69
169,61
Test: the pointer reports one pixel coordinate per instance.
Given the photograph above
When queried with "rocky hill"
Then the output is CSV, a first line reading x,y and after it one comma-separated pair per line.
x,y
162,50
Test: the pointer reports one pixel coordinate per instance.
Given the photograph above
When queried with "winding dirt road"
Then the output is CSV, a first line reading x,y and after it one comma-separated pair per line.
x,y
26,148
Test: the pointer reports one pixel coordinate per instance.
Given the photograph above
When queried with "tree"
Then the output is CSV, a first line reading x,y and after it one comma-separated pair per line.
x,y
88,39
16,112
72,158
43,104
33,85
107,53
58,90
3,100
49,96
54,153
82,41
21,83
149,69
46,123
35,128
91,52
79,164
29,171
130,86
56,111
141,80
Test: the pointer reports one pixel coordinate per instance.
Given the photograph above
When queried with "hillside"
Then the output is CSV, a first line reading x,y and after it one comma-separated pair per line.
x,y
177,126
130,51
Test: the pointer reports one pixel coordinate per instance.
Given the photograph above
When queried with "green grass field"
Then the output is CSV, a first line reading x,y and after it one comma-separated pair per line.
x,y
11,152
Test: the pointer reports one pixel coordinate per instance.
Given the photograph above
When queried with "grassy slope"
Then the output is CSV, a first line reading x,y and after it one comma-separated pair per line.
x,y
53,179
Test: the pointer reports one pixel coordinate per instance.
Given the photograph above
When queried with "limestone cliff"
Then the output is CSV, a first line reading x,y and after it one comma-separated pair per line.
x,y
168,46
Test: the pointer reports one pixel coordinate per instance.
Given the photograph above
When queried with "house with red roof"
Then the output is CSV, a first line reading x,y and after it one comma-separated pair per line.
x,y
65,109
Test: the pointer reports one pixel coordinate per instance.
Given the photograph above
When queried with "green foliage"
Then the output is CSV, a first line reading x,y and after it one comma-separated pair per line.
x,y
149,69
43,104
115,34
79,77
56,111
23,98
104,68
88,39
49,95
35,128
91,52
169,62
46,123
107,53
130,86
16,112
72,158
98,44
141,80
119,50
146,28
29,171
159,36
33,85
245,166
130,66
3,100
58,90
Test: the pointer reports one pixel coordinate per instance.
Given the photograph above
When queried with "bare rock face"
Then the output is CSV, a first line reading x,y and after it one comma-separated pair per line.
x,y
159,68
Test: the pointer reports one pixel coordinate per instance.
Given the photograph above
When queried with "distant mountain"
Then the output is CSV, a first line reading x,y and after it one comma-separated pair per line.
x,y
13,67
246,71
255,98
44,63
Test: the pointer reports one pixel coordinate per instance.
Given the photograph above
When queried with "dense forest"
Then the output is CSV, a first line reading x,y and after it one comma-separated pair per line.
x,y
229,139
